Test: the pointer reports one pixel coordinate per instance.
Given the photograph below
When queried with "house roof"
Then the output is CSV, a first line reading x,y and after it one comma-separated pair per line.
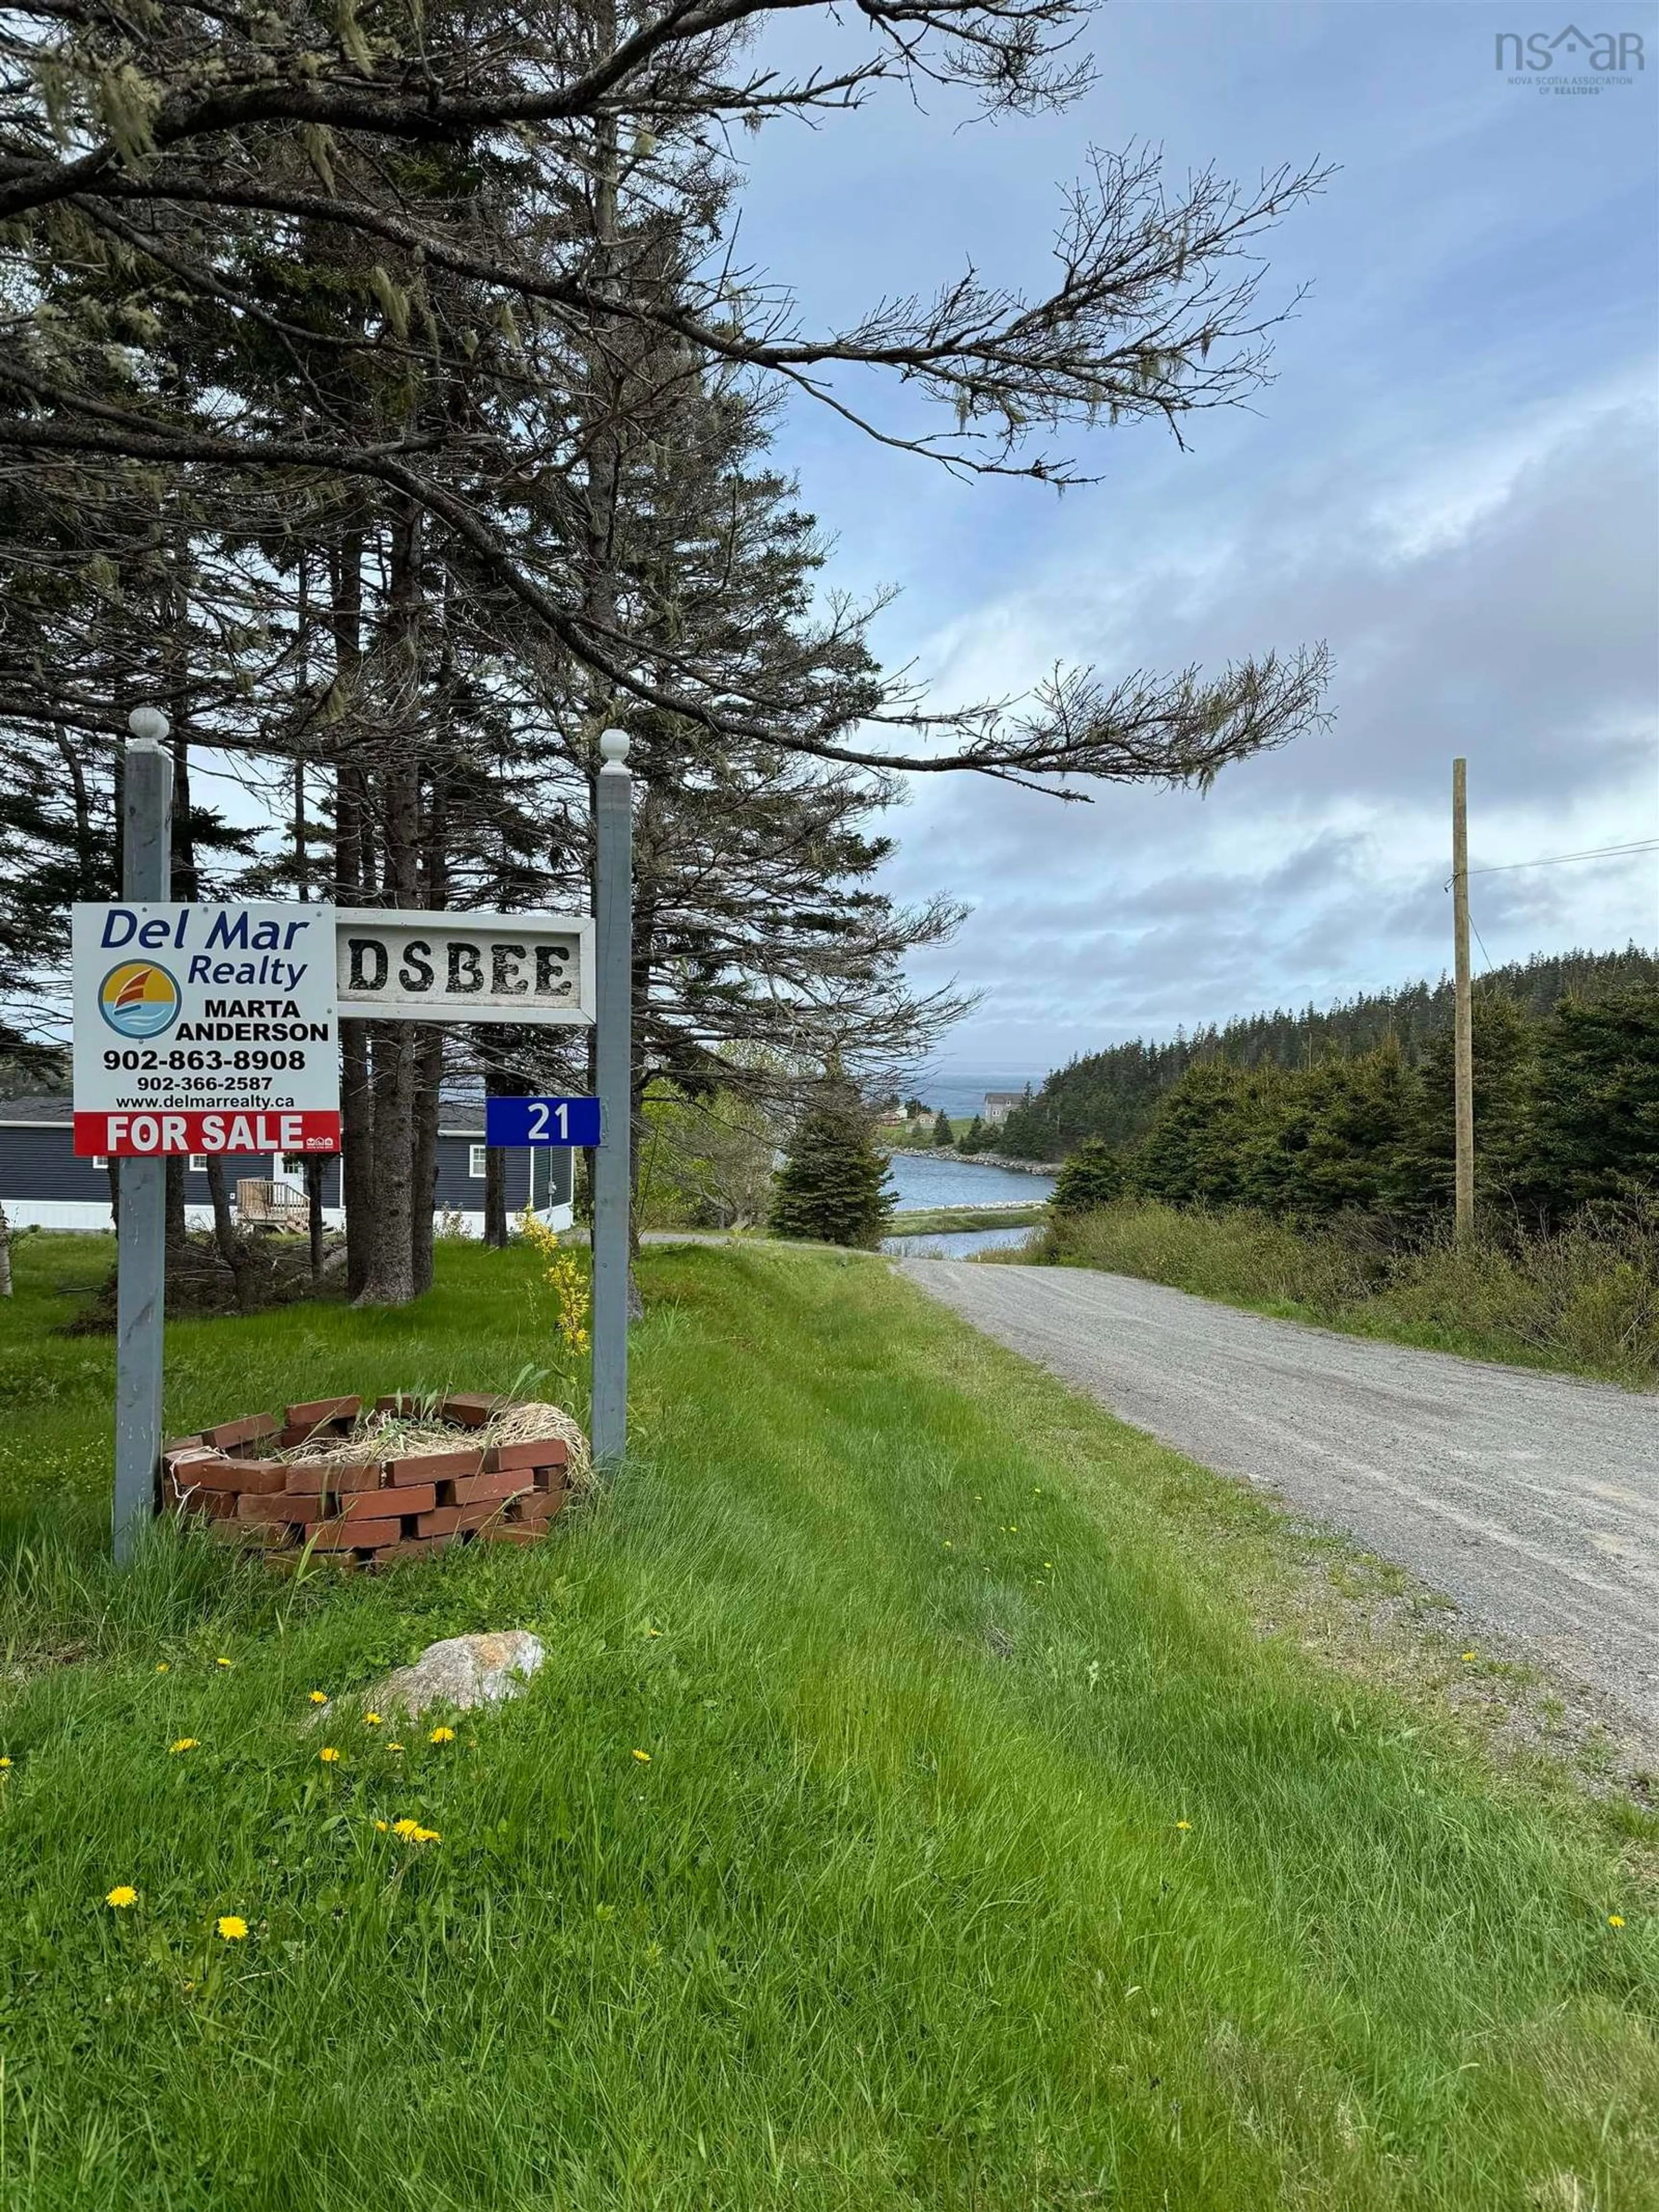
x,y
49,1113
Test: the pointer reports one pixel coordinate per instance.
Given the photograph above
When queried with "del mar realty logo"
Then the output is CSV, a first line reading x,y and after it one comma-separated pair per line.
x,y
1570,61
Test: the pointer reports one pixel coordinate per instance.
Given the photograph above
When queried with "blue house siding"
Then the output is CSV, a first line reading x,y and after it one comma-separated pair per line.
x,y
38,1168
459,1189
38,1161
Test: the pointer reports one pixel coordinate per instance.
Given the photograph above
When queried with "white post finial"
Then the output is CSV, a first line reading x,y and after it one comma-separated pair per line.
x,y
613,750
149,725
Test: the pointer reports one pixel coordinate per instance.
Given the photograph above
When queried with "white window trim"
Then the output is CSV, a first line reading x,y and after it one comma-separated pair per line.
x,y
198,1164
474,1161
100,1160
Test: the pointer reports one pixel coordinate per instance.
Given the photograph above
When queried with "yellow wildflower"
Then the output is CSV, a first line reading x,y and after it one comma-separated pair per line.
x,y
319,1697
643,1757
1615,1920
5,1762
222,1663
185,1743
232,1927
426,1835
1183,1825
441,1735
328,1754
1468,1656
405,1828
394,1747
122,1895
371,1720
163,1668
384,1826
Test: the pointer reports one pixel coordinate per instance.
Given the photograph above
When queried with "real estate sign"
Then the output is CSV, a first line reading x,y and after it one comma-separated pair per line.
x,y
205,1029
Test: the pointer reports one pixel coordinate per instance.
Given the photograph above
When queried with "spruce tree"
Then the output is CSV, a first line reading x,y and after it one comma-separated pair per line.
x,y
1597,1112
832,1188
943,1132
1092,1178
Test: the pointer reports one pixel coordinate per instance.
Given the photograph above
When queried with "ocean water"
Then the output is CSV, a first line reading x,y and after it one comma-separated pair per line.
x,y
927,1179
941,1179
955,1244
963,1094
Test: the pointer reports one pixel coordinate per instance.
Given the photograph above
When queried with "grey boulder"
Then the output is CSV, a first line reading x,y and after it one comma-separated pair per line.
x,y
463,1671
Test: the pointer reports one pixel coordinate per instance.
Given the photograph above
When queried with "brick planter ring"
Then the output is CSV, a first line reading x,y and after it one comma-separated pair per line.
x,y
374,1510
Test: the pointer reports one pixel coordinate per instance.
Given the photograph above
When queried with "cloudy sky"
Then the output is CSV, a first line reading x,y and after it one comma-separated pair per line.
x,y
1452,480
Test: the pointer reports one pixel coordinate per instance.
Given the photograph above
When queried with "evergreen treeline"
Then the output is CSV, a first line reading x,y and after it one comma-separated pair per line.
x,y
1113,1095
1566,1115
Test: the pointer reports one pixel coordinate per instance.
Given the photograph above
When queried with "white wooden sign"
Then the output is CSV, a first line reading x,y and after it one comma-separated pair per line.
x,y
204,1029
443,966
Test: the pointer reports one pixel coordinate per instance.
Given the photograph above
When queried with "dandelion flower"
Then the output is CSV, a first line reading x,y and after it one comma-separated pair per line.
x,y
1468,1656
394,1747
441,1735
185,1743
405,1828
653,1631
328,1754
223,1663
426,1835
232,1927
1615,1919
5,1762
643,1757
163,1668
1183,1825
319,1697
371,1720
385,1827
122,1895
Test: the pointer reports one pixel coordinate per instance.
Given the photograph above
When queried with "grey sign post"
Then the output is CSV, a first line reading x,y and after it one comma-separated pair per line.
x,y
142,1191
612,1180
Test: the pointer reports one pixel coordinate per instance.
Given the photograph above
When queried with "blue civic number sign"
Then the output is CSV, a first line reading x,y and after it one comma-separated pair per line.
x,y
572,1121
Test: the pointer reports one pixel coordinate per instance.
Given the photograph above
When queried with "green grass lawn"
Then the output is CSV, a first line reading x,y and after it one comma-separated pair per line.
x,y
985,1854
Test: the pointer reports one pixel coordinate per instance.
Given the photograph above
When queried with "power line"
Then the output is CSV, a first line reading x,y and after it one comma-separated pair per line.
x,y
1558,859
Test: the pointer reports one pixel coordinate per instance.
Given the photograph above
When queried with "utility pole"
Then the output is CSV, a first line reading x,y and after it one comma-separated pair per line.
x,y
1463,1035
613,810
142,1191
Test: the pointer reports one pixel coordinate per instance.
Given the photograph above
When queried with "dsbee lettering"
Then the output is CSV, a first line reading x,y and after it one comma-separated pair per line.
x,y
497,967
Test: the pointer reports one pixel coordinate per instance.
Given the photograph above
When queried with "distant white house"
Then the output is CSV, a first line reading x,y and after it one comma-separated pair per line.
x,y
999,1105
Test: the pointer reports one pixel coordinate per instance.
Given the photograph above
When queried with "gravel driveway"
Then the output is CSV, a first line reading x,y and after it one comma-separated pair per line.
x,y
1532,1500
